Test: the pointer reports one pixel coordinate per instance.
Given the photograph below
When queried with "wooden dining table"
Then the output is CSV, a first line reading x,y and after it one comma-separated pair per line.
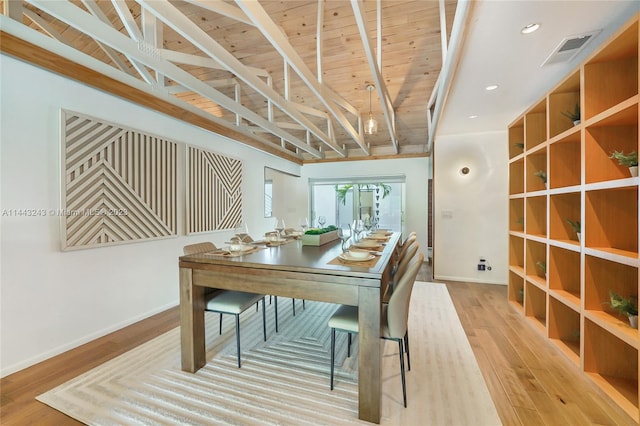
x,y
301,272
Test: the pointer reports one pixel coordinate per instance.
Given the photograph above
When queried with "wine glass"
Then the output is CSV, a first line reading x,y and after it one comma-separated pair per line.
x,y
279,226
357,229
321,221
344,233
367,225
242,230
304,224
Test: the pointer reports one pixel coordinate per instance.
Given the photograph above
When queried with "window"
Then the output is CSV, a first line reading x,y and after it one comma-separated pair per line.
x,y
342,200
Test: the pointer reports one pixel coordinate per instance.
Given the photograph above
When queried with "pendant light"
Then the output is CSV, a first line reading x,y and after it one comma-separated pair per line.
x,y
371,125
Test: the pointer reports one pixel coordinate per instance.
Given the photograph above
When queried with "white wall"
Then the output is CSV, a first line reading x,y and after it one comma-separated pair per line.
x,y
416,170
470,212
51,300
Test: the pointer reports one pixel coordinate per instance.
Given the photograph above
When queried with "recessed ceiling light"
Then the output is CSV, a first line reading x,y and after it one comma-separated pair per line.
x,y
473,116
491,87
530,28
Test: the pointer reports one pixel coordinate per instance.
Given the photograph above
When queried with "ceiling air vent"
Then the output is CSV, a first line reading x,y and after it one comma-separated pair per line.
x,y
569,47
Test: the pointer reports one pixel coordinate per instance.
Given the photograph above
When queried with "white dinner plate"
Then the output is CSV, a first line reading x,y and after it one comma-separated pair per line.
x,y
376,237
348,257
367,244
242,250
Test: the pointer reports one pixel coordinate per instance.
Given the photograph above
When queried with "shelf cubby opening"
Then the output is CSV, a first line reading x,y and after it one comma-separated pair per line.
x,y
611,220
516,289
516,214
564,329
536,261
516,177
602,276
618,132
611,76
516,138
564,274
563,101
536,216
535,125
535,306
562,209
536,163
564,161
516,252
613,365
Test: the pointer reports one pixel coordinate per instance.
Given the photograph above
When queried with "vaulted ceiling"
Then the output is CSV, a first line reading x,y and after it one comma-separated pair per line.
x,y
287,77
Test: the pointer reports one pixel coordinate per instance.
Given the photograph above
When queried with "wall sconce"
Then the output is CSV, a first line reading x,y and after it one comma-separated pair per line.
x,y
464,171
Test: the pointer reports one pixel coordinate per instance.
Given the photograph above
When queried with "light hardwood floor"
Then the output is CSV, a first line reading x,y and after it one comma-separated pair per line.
x,y
530,381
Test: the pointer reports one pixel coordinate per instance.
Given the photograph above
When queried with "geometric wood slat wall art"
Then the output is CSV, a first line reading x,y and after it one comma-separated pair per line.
x,y
119,184
214,191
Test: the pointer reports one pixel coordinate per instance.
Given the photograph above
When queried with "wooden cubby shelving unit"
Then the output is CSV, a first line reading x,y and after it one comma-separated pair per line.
x,y
567,302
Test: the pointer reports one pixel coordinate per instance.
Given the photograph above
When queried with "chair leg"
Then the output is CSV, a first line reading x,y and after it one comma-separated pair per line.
x,y
303,307
238,337
264,321
293,303
349,346
333,352
404,385
406,348
275,310
220,323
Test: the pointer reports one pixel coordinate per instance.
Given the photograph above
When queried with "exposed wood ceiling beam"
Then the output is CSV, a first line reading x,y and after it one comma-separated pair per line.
x,y
93,8
135,34
33,47
449,65
280,42
381,88
172,17
203,61
44,26
79,19
222,8
319,39
13,9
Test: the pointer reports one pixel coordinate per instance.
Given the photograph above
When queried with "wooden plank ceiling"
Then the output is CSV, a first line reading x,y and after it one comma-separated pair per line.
x,y
253,66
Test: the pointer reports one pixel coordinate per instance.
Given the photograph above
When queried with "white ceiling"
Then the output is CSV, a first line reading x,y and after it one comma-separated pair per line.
x,y
495,52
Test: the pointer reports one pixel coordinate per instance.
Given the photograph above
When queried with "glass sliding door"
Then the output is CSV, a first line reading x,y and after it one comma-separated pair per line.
x,y
340,201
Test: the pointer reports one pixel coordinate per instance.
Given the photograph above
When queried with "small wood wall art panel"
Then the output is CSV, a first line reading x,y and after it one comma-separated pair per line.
x,y
119,184
214,191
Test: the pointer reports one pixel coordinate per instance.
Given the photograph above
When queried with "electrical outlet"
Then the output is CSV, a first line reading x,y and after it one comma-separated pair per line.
x,y
481,267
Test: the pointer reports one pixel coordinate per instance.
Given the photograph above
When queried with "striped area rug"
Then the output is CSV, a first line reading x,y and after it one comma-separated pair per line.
x,y
285,381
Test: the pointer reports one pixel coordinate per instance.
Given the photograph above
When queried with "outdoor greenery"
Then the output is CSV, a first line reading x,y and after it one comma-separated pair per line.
x,y
342,191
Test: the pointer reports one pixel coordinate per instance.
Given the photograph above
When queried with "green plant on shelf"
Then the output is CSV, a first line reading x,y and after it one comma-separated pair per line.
x,y
575,225
519,145
542,175
573,116
628,160
627,306
543,267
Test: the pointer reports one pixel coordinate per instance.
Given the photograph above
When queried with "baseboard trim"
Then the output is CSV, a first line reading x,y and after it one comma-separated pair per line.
x,y
468,279
5,371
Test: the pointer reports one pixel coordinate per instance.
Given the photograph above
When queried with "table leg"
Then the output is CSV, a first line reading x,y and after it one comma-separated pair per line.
x,y
191,322
369,357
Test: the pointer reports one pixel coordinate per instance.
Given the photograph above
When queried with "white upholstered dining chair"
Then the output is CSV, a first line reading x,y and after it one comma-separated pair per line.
x,y
229,302
394,321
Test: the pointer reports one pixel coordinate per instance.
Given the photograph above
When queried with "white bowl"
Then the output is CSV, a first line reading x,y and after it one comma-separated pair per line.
x,y
358,254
